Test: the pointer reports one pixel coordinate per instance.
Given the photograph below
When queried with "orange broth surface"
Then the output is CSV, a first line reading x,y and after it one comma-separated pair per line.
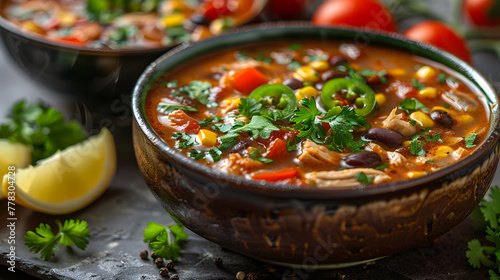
x,y
444,122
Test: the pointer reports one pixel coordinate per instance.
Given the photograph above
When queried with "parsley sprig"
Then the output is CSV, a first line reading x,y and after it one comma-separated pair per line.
x,y
42,128
165,240
44,241
487,216
200,91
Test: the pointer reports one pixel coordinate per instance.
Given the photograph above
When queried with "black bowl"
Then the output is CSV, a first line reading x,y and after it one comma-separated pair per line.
x,y
312,227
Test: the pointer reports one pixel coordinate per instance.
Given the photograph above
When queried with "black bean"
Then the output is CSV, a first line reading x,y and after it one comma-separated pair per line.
x,y
239,147
442,118
363,159
337,59
199,19
384,136
293,83
333,75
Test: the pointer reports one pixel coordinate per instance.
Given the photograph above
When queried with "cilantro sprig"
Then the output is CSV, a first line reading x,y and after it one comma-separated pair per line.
x,y
165,240
411,105
200,91
487,217
44,241
42,128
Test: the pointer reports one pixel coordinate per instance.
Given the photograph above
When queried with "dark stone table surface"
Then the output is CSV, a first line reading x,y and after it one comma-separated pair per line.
x,y
116,221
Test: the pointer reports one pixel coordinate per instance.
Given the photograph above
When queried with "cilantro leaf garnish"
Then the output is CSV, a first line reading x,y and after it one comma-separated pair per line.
x,y
44,241
318,57
342,126
167,108
416,148
382,167
165,240
411,105
290,146
363,178
200,91
442,78
370,72
435,138
41,128
207,122
469,140
293,65
169,84
423,132
258,126
417,84
295,46
307,122
249,107
189,140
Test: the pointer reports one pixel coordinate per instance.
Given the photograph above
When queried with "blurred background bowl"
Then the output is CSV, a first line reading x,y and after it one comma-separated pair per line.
x,y
311,227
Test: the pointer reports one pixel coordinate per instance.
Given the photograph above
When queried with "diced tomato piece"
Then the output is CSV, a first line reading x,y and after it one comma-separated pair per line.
x,y
326,126
276,149
71,40
184,123
276,175
248,79
215,9
279,134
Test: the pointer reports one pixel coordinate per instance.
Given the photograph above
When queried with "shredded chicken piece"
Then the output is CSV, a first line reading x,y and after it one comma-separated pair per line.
x,y
345,178
314,155
395,159
460,101
237,164
233,106
397,123
439,162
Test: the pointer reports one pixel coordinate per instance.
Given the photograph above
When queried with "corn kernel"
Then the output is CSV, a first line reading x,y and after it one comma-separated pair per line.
x,y
425,72
449,111
174,6
443,151
306,74
429,92
31,26
380,98
407,143
415,174
319,65
465,119
230,101
306,92
207,138
221,24
67,19
173,20
422,119
397,72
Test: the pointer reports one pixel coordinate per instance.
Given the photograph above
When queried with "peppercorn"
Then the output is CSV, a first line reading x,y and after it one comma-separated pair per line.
x,y
159,262
174,277
144,254
170,265
240,275
153,256
218,261
163,271
251,276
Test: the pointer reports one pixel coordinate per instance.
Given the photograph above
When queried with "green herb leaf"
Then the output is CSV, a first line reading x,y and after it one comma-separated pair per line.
x,y
435,138
295,46
416,148
477,254
417,84
165,240
290,146
469,140
363,178
411,105
44,241
249,107
447,106
189,140
293,65
318,57
41,128
382,167
207,122
442,78
200,91
167,108
197,155
370,72
258,126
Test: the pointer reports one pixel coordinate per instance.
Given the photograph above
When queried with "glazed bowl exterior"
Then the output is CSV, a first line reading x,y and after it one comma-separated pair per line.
x,y
311,227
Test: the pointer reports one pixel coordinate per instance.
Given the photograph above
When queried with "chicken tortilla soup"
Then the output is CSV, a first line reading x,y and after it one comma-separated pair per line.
x,y
318,114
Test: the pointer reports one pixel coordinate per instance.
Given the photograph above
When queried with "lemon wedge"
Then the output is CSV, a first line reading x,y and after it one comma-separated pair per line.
x,y
68,180
13,154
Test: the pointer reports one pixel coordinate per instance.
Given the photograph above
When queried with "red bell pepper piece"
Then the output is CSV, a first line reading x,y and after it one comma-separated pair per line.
x,y
215,9
248,79
276,175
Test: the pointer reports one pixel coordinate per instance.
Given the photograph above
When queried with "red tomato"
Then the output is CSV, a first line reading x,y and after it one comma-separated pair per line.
x,y
215,9
360,13
248,79
482,12
276,149
276,175
440,35
184,123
